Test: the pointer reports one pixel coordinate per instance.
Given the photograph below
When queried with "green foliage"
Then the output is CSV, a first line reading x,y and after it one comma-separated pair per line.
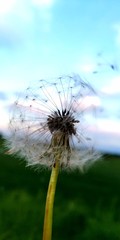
x,y
87,206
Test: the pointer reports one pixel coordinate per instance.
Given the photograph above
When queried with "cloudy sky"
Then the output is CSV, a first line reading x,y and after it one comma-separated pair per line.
x,y
45,38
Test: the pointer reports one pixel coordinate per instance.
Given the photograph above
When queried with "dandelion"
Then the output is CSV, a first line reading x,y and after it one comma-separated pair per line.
x,y
49,129
53,111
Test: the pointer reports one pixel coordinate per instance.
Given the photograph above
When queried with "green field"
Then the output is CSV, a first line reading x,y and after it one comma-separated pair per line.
x,y
87,206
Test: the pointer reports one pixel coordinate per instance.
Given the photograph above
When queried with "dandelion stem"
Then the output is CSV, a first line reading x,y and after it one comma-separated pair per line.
x,y
47,230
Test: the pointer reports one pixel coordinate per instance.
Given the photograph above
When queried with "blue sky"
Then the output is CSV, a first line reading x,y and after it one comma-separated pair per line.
x,y
45,38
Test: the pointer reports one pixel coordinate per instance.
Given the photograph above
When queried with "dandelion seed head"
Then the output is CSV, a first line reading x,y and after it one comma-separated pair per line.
x,y
49,117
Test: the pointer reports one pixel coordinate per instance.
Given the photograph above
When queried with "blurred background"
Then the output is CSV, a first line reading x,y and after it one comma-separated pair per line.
x,y
50,38
87,205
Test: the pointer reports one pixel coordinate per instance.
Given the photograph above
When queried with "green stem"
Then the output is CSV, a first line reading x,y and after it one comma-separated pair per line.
x,y
47,230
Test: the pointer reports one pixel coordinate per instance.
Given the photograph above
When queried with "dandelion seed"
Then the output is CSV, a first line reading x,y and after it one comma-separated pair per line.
x,y
53,112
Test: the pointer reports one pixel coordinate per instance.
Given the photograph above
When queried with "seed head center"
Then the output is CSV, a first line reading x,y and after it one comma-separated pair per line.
x,y
62,121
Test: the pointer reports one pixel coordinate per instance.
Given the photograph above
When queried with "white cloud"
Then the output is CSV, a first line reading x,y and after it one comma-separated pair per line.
x,y
86,65
90,102
22,19
15,20
107,135
108,126
113,87
87,68
6,6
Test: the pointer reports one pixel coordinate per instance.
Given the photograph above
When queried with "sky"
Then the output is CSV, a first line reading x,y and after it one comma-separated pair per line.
x,y
49,38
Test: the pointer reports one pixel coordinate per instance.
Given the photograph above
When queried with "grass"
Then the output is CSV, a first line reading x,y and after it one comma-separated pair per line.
x,y
87,206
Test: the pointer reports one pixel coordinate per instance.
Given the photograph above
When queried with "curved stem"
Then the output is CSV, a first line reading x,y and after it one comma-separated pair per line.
x,y
47,230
